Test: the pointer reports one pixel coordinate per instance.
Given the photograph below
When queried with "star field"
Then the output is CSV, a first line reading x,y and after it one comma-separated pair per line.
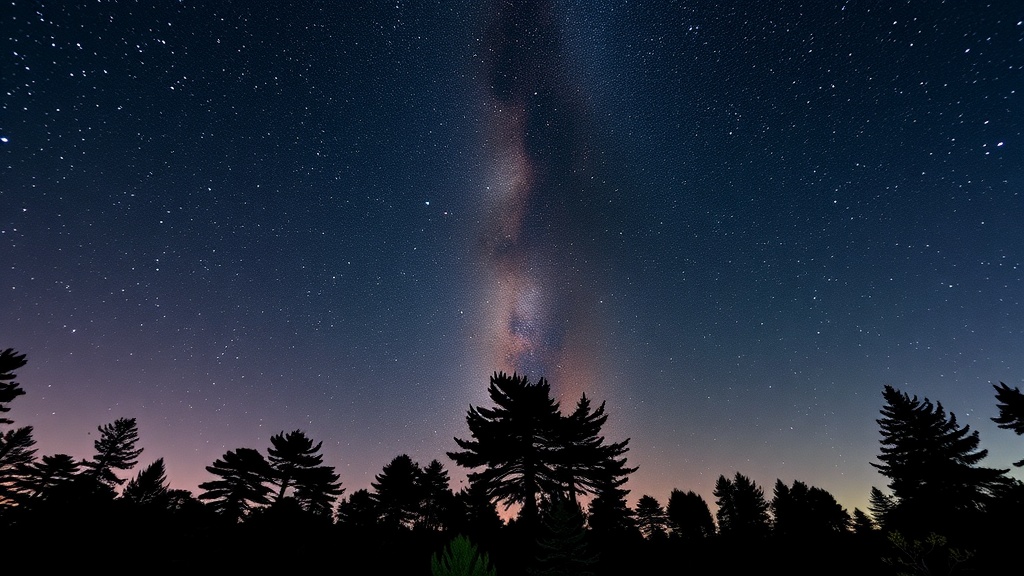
x,y
735,224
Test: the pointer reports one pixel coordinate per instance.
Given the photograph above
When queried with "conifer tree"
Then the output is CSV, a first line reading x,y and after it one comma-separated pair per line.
x,y
512,452
650,518
298,465
524,449
1011,411
398,493
359,512
932,464
806,511
476,514
862,523
16,445
584,461
115,450
742,509
880,505
50,473
149,488
437,510
611,518
10,361
689,516
242,484
16,453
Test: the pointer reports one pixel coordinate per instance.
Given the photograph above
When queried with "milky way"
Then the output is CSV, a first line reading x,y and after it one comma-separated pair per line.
x,y
538,285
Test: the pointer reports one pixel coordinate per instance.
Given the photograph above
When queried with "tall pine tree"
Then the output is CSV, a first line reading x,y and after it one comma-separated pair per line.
x,y
932,464
242,484
513,452
524,449
689,516
742,509
297,464
115,450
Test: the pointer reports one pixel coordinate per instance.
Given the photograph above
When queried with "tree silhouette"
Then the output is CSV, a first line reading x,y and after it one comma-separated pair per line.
x,y
1011,411
514,444
742,509
16,453
806,511
475,513
298,464
523,449
10,361
584,461
437,510
862,523
399,493
149,488
50,474
689,516
242,484
932,464
650,518
115,450
611,518
881,506
317,489
16,445
358,512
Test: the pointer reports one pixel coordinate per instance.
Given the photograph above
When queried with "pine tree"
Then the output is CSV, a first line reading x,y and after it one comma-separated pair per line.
x,y
10,361
298,465
806,511
862,523
476,514
437,509
317,489
583,459
359,512
932,464
16,445
742,509
398,493
611,518
881,506
242,484
51,473
1011,411
650,518
16,453
115,450
523,449
513,450
689,516
149,488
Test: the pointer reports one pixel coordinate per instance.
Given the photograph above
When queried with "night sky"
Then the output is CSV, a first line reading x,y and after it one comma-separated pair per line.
x,y
734,222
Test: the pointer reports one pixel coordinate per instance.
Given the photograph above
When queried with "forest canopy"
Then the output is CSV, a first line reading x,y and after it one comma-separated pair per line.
x,y
567,481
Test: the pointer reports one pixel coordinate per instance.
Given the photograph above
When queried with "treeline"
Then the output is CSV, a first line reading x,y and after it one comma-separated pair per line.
x,y
942,512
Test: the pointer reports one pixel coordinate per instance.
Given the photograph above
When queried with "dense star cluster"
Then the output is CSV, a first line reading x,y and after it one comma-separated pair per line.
x,y
734,223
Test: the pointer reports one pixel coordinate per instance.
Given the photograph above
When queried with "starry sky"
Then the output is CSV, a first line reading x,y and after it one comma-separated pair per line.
x,y
734,222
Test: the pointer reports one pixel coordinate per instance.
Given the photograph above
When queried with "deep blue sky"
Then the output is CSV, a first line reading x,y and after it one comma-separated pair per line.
x,y
733,223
